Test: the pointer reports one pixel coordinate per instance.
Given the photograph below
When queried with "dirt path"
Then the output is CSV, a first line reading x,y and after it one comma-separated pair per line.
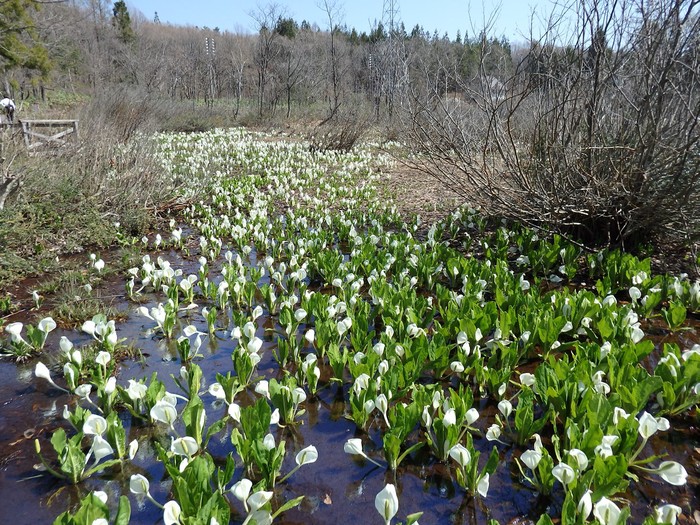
x,y
417,193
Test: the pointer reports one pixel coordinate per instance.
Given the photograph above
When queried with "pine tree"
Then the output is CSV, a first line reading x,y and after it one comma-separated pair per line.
x,y
122,21
19,44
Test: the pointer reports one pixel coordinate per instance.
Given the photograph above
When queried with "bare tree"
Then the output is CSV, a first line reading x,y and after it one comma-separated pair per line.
x,y
267,49
596,137
294,65
334,12
238,54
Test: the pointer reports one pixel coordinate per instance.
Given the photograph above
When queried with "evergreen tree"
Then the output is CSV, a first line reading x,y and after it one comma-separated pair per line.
x,y
19,44
122,21
286,27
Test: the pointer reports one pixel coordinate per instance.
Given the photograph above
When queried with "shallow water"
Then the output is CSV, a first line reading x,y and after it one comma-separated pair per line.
x,y
338,488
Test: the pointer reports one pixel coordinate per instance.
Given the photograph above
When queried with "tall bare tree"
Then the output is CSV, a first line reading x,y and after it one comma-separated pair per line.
x,y
268,48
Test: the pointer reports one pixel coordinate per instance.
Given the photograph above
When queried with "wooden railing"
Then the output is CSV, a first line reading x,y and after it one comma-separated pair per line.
x,y
38,133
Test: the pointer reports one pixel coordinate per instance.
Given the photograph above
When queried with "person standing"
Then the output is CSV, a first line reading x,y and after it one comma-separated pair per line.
x,y
9,106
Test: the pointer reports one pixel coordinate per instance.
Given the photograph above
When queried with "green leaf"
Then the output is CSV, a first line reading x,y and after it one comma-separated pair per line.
x,y
100,467
215,428
413,518
123,512
605,328
492,462
73,460
192,416
545,520
568,511
58,440
288,505
116,435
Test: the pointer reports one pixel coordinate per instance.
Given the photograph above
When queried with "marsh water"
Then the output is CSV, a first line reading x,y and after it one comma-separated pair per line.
x,y
338,488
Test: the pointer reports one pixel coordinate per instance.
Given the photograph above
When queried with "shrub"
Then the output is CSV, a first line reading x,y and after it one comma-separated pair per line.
x,y
596,138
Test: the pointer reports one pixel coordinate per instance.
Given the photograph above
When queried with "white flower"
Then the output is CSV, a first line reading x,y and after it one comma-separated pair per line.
x,y
171,513
635,294
136,390
300,315
531,458
216,390
164,412
89,327
269,442
605,450
636,333
310,336
353,446
426,419
110,385
585,505
564,473
673,473
361,383
46,325
450,418
41,371
298,395
461,455
138,485
527,379
606,512
383,367
387,503
667,514
65,345
619,413
493,432
254,345
258,499
241,489
184,446
263,388
94,425
100,448
306,456
647,425
234,411
581,458
103,358
15,329
471,416
457,367
505,407
133,449
378,348
83,391
483,486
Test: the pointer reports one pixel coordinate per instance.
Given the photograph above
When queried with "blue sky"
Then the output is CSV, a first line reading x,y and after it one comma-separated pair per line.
x,y
443,15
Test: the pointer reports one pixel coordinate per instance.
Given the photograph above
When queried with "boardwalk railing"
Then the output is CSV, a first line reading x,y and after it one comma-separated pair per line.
x,y
39,133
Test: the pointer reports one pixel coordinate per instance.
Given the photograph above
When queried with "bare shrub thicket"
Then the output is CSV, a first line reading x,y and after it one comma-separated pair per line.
x,y
595,137
110,174
341,131
114,163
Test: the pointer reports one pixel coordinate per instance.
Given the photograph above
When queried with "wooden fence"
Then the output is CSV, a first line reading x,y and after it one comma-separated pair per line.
x,y
38,133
